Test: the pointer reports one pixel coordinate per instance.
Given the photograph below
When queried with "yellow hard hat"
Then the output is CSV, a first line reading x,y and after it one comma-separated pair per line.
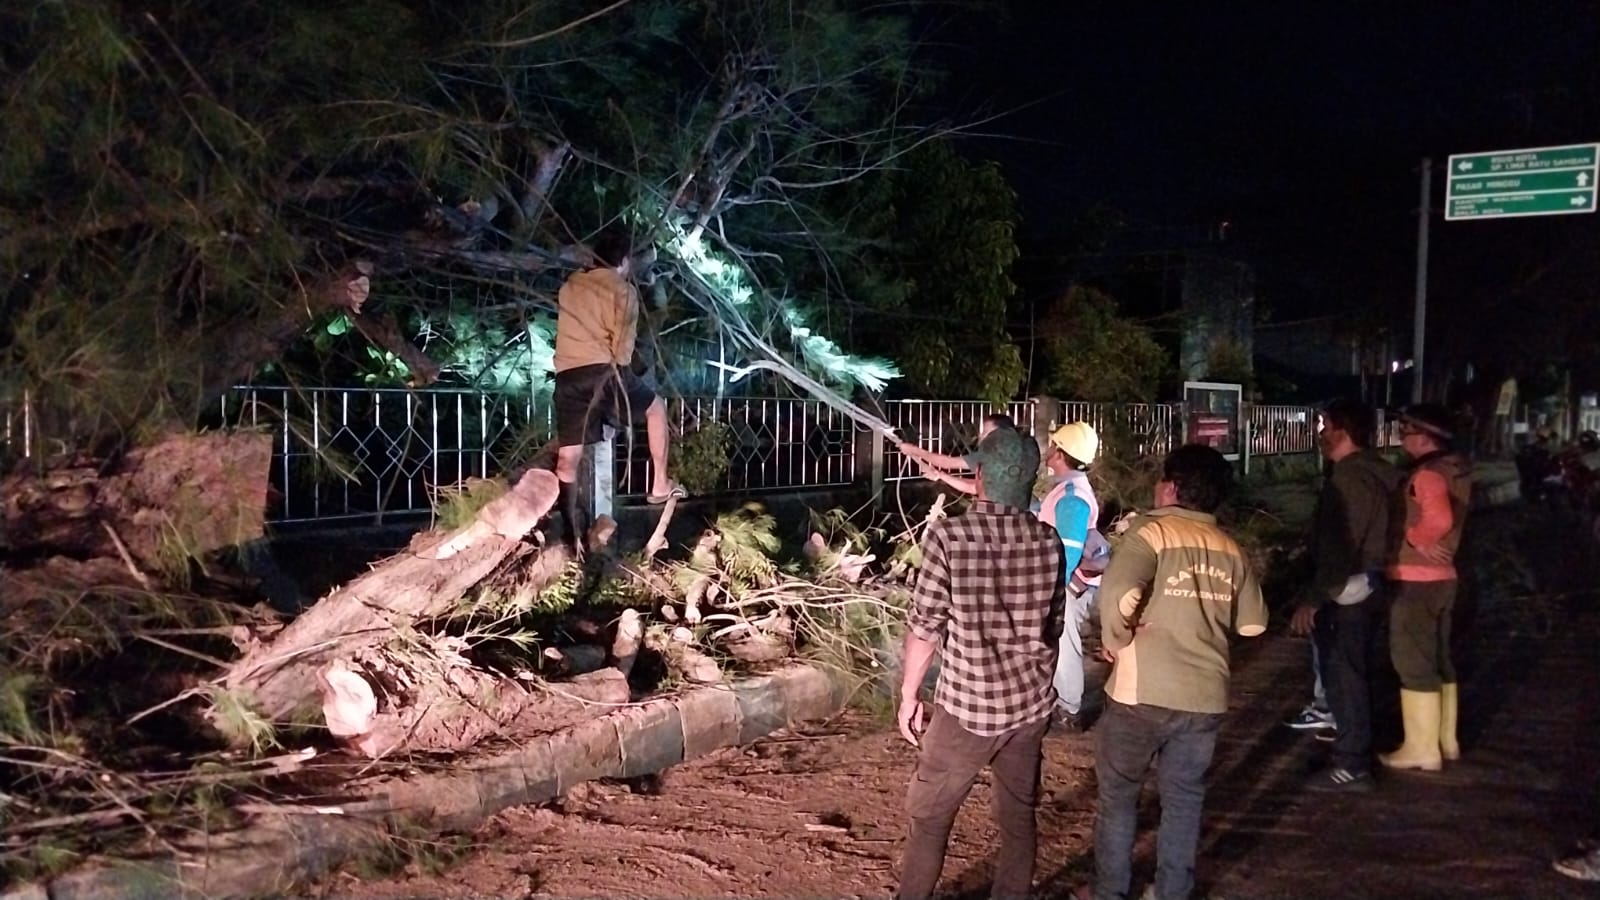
x,y
1077,440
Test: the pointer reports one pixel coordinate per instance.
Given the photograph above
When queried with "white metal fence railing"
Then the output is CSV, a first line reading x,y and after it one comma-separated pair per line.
x,y
773,444
368,453
1150,429
18,432
1278,430
942,426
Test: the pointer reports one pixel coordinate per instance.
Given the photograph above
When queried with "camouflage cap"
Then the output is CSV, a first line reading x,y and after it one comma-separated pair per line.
x,y
1008,463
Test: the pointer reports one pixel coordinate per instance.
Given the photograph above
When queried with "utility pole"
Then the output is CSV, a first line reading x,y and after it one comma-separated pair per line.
x,y
1419,325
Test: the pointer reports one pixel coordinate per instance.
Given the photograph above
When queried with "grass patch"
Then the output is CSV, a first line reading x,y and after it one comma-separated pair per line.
x,y
235,717
458,506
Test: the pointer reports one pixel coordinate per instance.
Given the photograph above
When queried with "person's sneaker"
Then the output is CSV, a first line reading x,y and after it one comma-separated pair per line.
x,y
1150,894
1327,735
1582,866
1340,780
1063,722
1310,719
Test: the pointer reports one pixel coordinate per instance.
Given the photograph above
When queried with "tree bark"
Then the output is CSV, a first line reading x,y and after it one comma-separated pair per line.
x,y
183,496
424,581
535,199
446,708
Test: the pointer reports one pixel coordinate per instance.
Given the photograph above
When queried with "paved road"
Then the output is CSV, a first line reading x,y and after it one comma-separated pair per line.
x,y
820,813
1487,826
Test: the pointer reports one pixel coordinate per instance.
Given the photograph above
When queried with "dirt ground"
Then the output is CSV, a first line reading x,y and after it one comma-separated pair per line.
x,y
818,812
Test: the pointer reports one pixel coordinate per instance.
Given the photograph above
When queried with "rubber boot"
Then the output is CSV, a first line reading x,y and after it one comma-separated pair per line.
x,y
571,517
1420,710
1449,704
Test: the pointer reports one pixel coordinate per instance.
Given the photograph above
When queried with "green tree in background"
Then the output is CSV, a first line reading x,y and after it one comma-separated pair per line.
x,y
943,266
190,191
1093,353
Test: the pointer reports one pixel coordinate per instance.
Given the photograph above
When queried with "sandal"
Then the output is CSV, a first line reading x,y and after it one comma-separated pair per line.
x,y
676,490
1584,867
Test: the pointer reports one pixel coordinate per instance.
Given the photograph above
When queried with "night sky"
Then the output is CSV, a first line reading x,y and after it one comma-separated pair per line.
x,y
1302,125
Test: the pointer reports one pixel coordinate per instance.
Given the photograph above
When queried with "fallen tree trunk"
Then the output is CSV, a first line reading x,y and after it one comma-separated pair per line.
x,y
426,580
154,508
450,706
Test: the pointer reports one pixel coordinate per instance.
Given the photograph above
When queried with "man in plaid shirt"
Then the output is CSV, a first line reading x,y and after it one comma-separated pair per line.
x,y
990,594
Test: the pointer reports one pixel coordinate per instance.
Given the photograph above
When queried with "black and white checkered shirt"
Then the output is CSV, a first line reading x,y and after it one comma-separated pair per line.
x,y
991,593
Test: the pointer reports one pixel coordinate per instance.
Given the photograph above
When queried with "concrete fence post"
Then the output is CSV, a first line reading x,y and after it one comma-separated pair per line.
x,y
597,478
870,448
1046,418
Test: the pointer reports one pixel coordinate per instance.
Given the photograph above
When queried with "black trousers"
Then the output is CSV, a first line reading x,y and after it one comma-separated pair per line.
x,y
1345,639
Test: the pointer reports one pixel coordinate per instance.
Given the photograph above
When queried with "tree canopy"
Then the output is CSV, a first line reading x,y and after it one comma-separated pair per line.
x,y
188,191
1092,353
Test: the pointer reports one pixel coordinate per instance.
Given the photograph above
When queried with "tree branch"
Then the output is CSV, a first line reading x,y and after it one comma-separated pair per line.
x,y
535,199
384,331
257,343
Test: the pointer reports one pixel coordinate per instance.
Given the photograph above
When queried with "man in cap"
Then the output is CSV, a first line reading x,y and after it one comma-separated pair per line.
x,y
941,468
1429,516
988,598
1071,509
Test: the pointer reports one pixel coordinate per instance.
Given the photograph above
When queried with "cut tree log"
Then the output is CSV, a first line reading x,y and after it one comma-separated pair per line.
x,y
682,657
630,635
450,706
425,581
186,495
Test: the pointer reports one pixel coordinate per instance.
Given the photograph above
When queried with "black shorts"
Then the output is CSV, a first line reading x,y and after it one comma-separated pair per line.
x,y
588,398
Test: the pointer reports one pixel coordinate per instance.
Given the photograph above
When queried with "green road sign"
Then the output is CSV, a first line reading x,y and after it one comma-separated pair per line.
x,y
1540,181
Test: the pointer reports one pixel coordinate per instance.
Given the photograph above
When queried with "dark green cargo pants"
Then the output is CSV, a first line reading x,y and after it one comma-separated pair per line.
x,y
1419,633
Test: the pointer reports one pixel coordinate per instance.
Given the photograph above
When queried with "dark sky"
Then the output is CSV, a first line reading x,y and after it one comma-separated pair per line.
x,y
1302,124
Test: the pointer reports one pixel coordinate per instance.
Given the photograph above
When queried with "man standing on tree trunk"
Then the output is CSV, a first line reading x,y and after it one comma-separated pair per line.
x,y
990,596
595,383
1349,545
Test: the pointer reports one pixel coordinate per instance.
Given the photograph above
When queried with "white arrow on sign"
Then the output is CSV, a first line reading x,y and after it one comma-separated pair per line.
x,y
1579,201
1583,179
1464,166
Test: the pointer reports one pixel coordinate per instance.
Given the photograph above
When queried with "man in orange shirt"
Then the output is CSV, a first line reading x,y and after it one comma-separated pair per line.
x,y
596,328
1429,516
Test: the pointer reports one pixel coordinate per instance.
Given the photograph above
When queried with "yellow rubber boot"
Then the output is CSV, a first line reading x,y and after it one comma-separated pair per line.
x,y
1420,711
1449,705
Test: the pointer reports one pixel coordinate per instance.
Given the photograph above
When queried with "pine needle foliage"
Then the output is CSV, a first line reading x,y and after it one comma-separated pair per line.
x,y
186,190
749,539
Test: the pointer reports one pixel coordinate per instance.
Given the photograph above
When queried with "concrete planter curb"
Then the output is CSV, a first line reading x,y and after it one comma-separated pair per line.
x,y
276,852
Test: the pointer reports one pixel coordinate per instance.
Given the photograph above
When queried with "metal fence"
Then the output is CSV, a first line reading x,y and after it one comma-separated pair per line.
x,y
18,432
364,454
941,426
1147,429
1276,430
774,444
